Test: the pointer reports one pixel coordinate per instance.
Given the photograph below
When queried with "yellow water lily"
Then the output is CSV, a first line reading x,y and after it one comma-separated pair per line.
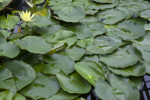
x,y
26,16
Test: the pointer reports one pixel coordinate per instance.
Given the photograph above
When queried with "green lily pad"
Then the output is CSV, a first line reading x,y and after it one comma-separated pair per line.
x,y
57,5
6,78
106,1
99,6
43,87
82,31
96,28
9,22
104,45
9,49
23,74
63,36
122,58
90,70
143,45
123,88
119,89
136,70
5,33
2,38
145,14
71,14
33,44
84,42
41,18
147,64
137,81
60,62
94,58
104,91
4,3
7,95
73,83
75,53
62,95
111,16
132,28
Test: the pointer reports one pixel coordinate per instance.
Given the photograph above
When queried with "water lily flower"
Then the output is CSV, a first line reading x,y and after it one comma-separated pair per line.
x,y
26,16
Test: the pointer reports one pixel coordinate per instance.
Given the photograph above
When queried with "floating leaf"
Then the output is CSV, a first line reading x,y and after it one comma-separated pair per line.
x,y
2,38
104,45
84,42
143,45
33,44
96,28
9,22
106,1
60,62
94,58
9,49
103,89
43,87
74,53
135,70
147,64
62,95
42,18
122,58
123,88
111,16
23,74
73,83
82,31
4,3
7,95
91,71
63,36
132,28
71,14
119,89
6,78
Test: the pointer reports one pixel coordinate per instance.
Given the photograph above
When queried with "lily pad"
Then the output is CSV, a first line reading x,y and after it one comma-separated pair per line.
x,y
63,36
33,44
82,31
4,3
62,95
60,62
143,45
73,83
118,89
90,70
74,53
111,16
23,74
122,58
7,95
9,49
136,70
9,22
71,14
104,45
147,64
43,87
106,1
